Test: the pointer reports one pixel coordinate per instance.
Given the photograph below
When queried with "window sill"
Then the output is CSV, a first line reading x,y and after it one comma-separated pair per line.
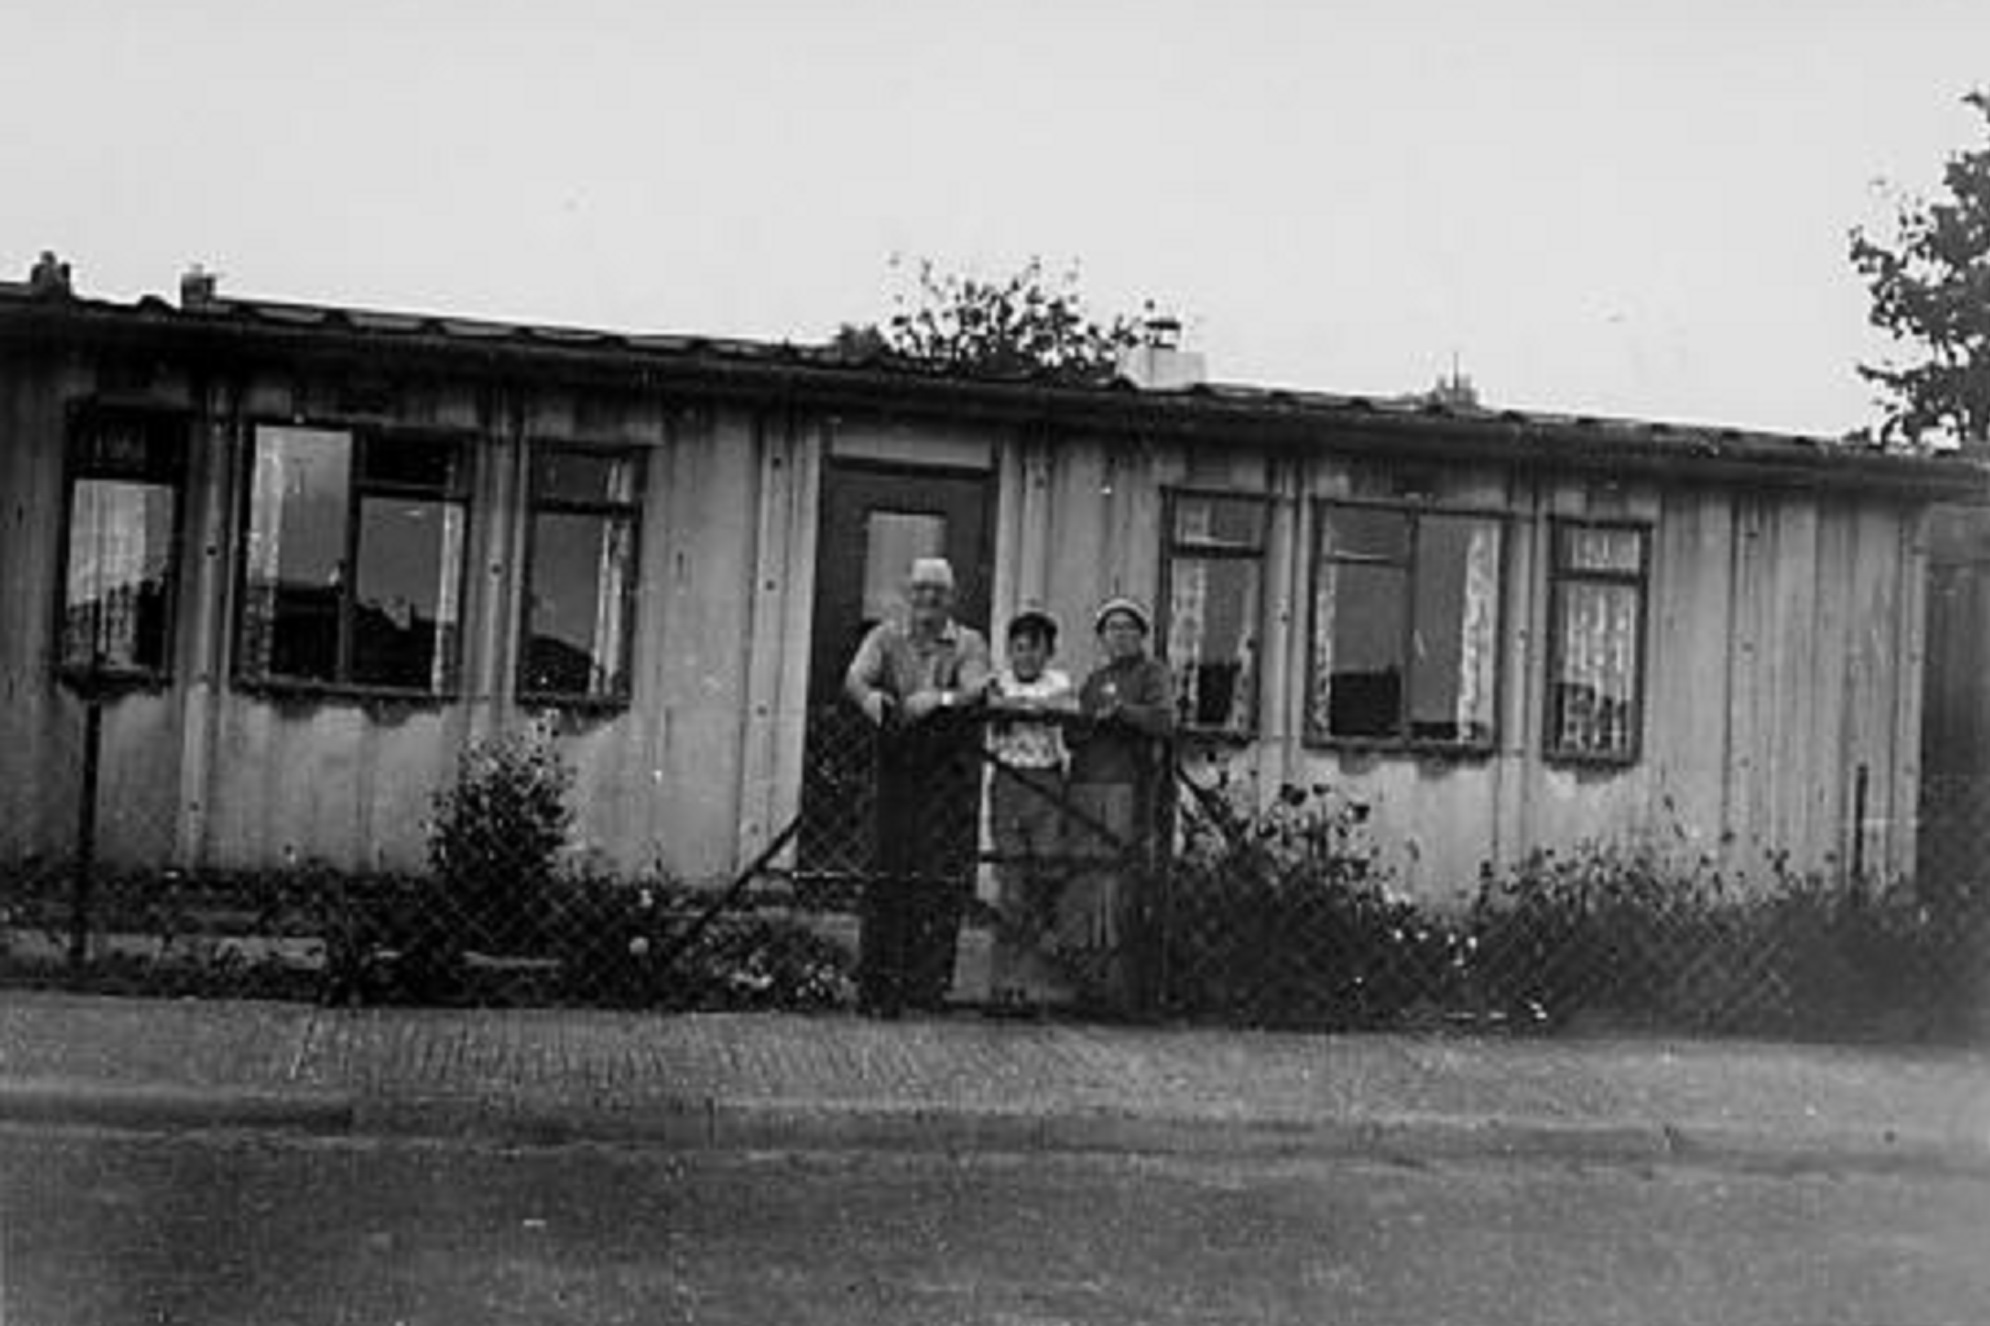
x,y
1214,736
1589,763
282,690
89,682
1433,751
602,705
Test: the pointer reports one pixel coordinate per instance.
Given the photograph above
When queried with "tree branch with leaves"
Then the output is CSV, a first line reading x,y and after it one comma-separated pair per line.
x,y
1930,286
1028,324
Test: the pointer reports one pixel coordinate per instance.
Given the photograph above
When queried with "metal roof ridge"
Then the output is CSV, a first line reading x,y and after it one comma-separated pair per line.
x,y
1412,409
1416,404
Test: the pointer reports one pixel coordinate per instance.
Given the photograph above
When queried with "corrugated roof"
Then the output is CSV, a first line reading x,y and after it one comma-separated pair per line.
x,y
1209,409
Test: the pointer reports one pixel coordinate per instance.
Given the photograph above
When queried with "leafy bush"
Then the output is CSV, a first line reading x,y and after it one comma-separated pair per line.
x,y
1613,927
1627,934
1030,323
495,842
1284,916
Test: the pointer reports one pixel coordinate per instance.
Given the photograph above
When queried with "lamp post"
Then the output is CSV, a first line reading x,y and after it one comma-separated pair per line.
x,y
90,691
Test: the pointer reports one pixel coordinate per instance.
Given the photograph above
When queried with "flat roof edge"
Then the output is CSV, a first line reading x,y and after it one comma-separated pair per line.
x,y
809,375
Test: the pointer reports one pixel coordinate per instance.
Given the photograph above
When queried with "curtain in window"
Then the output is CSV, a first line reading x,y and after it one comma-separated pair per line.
x,y
1478,634
119,546
1188,596
448,600
1598,678
1320,702
611,588
1212,610
1243,678
263,559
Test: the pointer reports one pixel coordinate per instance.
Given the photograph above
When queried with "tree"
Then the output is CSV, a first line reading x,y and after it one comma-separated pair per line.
x,y
1930,285
1024,325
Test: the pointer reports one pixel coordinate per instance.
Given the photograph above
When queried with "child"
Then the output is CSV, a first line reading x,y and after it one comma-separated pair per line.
x,y
1024,792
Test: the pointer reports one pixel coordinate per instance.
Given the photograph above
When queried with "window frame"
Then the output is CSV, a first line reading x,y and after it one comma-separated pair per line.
x,y
84,416
1640,580
1404,741
632,511
362,434
1171,547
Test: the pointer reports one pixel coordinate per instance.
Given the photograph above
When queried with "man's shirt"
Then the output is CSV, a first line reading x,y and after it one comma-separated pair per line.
x,y
892,660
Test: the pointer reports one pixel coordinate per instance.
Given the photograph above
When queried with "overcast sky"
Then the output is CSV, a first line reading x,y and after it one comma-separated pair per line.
x,y
1641,215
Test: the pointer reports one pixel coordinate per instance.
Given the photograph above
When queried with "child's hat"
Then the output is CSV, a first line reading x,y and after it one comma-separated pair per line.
x,y
1034,620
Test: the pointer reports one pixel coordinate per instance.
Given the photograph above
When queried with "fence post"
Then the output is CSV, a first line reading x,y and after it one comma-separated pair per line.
x,y
86,830
1156,989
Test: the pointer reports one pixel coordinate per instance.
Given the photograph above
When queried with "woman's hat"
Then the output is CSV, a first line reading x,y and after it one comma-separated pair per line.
x,y
1125,605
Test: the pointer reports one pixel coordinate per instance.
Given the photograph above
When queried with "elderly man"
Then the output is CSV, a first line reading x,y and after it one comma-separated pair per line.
x,y
913,680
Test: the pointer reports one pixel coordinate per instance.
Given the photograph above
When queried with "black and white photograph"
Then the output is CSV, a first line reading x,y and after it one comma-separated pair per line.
x,y
995,663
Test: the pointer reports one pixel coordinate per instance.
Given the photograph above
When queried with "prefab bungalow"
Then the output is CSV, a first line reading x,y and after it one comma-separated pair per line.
x,y
301,555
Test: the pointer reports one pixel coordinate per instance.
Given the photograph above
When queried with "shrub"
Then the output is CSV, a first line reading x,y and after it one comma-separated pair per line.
x,y
1604,927
495,841
1628,934
1283,915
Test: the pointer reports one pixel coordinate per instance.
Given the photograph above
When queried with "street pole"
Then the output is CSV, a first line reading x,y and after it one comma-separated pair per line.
x,y
86,827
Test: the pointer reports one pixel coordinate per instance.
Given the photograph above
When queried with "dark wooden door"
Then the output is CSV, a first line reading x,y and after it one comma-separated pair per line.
x,y
875,520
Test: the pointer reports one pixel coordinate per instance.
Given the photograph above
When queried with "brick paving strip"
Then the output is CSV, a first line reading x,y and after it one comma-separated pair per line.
x,y
960,1082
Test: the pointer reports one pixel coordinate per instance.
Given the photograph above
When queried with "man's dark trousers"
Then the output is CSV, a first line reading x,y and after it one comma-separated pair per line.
x,y
927,823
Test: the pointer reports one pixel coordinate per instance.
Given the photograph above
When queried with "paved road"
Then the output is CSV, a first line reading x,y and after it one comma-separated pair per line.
x,y
103,1227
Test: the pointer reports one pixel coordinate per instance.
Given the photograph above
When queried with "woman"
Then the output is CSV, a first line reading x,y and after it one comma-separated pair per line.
x,y
1115,786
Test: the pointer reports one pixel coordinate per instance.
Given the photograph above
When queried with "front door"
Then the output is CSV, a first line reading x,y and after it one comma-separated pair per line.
x,y
875,519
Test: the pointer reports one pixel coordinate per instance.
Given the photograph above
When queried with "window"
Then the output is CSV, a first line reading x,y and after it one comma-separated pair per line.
x,y
581,581
1215,567
125,477
893,540
1595,662
354,560
1405,631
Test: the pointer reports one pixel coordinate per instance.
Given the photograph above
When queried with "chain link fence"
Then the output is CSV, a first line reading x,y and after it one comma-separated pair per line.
x,y
929,870
1283,915
837,837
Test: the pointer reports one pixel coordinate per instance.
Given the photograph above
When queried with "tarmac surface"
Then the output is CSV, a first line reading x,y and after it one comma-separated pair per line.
x,y
963,1083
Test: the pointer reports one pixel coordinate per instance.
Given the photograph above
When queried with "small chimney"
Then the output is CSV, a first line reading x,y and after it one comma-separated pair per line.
x,y
49,277
197,287
1159,363
1456,392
